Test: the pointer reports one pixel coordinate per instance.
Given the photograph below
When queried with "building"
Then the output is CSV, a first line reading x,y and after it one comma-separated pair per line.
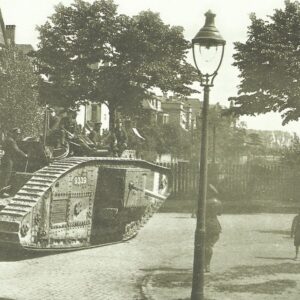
x,y
3,41
92,113
179,112
164,110
153,110
11,39
3,44
8,37
196,108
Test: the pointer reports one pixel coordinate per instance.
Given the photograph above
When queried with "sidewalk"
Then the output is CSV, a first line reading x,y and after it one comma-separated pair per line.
x,y
252,260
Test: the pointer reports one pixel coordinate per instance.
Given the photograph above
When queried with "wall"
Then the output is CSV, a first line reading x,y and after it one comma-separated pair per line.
x,y
87,113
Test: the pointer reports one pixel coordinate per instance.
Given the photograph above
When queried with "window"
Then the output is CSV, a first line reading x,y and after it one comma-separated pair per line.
x,y
94,113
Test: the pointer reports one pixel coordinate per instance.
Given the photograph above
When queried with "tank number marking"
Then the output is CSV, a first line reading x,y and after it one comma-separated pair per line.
x,y
79,180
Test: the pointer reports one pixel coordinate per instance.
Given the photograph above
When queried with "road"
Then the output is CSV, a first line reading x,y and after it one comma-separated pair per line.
x,y
252,260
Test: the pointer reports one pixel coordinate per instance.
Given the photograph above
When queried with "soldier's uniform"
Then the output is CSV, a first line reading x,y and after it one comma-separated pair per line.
x,y
95,136
212,225
121,138
56,133
295,232
12,154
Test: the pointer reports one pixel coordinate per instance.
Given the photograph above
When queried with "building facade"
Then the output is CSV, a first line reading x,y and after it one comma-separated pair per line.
x,y
181,112
3,41
92,113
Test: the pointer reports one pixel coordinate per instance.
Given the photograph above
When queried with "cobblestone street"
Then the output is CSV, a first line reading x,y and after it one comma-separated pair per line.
x,y
156,264
109,272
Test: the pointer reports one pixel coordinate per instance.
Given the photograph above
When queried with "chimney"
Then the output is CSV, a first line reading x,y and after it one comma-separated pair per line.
x,y
10,34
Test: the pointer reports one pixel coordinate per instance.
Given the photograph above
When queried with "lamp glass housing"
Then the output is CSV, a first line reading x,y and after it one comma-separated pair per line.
x,y
208,47
207,57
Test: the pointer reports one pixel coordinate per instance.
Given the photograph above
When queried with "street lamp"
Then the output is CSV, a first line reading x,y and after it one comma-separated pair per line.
x,y
208,51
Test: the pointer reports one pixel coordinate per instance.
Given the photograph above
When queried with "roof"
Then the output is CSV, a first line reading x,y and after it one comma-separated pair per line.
x,y
25,48
147,104
3,41
173,105
195,103
196,106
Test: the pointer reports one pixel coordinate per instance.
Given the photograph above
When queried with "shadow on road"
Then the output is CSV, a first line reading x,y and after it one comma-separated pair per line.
x,y
21,254
281,232
244,271
238,280
6,256
268,287
274,258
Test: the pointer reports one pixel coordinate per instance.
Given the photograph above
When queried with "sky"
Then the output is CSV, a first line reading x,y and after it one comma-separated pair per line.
x,y
232,20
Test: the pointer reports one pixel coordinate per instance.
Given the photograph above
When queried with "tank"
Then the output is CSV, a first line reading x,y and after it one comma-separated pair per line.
x,y
74,203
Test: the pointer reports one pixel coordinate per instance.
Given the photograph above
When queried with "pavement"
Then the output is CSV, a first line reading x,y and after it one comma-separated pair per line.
x,y
252,260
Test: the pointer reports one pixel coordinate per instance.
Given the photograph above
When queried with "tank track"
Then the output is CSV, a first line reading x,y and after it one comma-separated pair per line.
x,y
35,188
43,179
134,227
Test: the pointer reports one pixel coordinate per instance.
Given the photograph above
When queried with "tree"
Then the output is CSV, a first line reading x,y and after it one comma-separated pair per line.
x,y
291,153
19,105
226,140
88,51
175,140
269,64
159,138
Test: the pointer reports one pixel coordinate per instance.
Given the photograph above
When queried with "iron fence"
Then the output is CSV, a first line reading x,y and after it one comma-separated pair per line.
x,y
246,181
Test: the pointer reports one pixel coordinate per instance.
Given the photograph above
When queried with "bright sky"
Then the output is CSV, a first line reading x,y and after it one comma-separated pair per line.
x,y
232,19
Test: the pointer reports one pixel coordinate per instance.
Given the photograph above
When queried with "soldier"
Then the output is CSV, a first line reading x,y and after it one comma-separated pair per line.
x,y
121,138
69,121
56,134
95,136
12,154
212,224
295,232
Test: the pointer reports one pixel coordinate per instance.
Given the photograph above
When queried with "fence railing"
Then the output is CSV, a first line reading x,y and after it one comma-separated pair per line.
x,y
247,181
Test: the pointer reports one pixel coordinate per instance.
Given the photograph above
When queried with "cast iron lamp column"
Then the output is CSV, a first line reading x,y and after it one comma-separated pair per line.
x,y
207,42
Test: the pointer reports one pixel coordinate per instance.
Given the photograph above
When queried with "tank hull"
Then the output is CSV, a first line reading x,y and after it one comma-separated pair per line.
x,y
82,202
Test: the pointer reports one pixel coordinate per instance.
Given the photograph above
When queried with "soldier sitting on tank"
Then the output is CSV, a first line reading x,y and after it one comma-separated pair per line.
x,y
95,135
69,122
56,134
119,139
79,142
12,154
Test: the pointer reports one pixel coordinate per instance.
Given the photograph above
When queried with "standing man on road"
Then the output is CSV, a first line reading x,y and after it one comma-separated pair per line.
x,y
212,224
12,153
295,233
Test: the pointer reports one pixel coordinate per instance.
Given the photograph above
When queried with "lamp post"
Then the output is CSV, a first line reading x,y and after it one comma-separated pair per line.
x,y
208,51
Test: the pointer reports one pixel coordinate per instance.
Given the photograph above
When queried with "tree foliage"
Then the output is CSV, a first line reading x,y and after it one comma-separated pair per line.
x,y
226,136
160,139
88,51
176,141
291,153
19,105
269,64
